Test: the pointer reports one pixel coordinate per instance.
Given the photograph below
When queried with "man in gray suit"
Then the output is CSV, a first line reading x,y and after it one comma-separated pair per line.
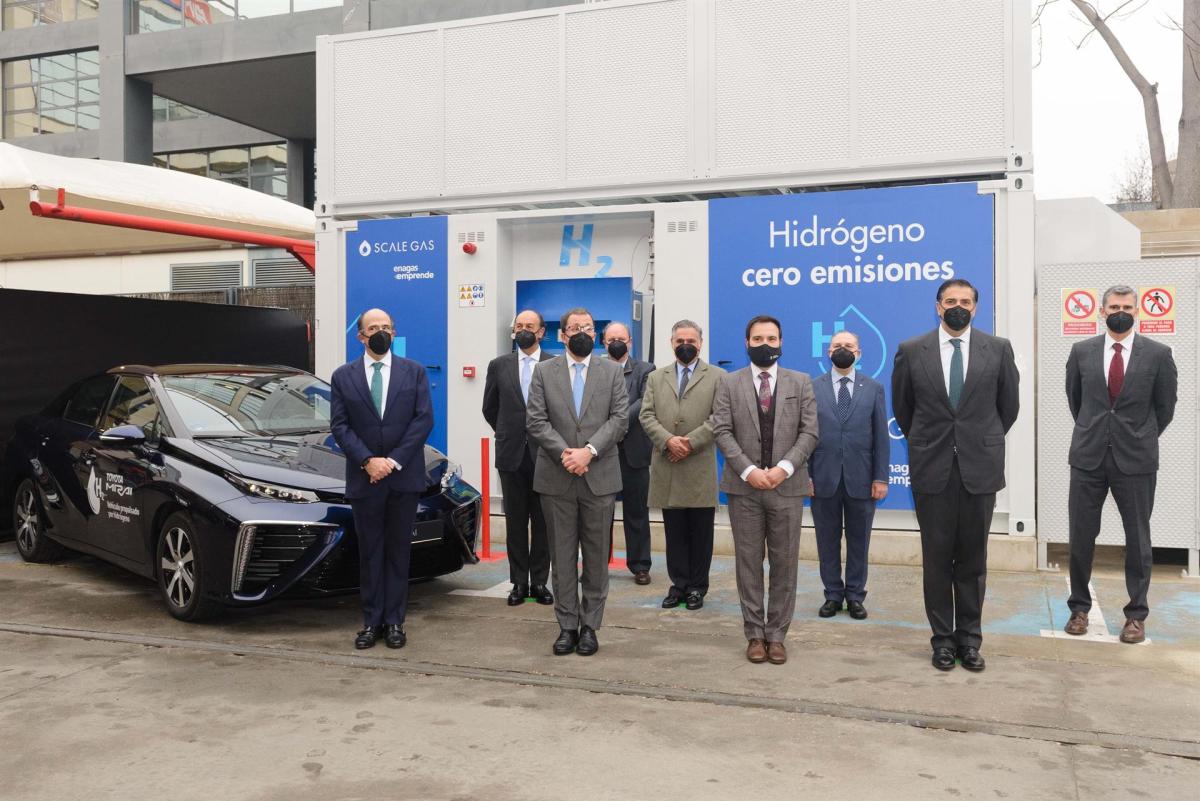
x,y
1121,388
764,420
955,396
849,473
577,413
683,467
633,452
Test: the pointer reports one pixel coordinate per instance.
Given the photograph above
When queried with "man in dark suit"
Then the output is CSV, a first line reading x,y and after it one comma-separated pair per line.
x,y
764,420
955,396
504,393
633,453
1121,388
380,415
576,416
849,472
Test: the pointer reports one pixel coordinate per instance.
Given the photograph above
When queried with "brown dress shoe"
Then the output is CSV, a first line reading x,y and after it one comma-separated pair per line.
x,y
756,651
776,653
641,577
1133,632
1077,625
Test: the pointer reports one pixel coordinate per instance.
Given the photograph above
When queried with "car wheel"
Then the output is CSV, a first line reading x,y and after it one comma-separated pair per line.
x,y
29,526
181,571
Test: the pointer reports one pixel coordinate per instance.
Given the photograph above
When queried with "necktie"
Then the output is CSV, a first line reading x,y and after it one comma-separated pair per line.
x,y
956,373
577,388
764,391
526,376
683,380
1116,374
843,399
377,387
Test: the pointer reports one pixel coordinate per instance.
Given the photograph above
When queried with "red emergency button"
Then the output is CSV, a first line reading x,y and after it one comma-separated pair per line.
x,y
468,371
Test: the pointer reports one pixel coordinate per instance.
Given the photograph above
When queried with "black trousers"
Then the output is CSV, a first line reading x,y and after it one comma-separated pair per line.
x,y
689,547
383,524
1134,495
954,536
524,526
854,516
635,514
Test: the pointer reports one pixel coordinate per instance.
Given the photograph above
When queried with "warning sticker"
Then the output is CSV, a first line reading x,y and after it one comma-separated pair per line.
x,y
1157,309
470,295
1078,312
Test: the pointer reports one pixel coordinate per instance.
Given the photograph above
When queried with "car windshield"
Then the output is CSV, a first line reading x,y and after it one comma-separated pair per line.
x,y
249,404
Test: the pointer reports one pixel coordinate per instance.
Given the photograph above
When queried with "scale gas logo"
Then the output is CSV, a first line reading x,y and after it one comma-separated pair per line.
x,y
871,341
364,249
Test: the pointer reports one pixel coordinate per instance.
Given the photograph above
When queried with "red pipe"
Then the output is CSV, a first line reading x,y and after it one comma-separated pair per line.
x,y
302,249
486,491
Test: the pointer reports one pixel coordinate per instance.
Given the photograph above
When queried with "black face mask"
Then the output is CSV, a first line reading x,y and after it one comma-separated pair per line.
x,y
380,343
1119,322
764,355
581,344
686,353
842,357
956,318
525,339
617,350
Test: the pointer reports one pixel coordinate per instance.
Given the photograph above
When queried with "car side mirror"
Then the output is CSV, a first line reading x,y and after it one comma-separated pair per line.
x,y
126,435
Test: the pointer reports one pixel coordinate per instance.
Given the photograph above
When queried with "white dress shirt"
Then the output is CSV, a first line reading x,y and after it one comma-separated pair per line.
x,y
386,374
1126,349
837,382
772,379
947,351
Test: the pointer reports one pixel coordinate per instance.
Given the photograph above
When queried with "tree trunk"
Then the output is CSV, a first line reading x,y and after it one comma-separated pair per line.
x,y
1149,93
1187,164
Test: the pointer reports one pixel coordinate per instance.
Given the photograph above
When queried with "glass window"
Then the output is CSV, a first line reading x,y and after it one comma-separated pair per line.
x,y
51,94
158,15
195,163
133,404
230,164
260,167
253,404
167,110
84,408
27,13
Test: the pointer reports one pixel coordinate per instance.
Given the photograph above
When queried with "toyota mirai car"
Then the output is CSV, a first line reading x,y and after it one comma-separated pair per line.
x,y
222,483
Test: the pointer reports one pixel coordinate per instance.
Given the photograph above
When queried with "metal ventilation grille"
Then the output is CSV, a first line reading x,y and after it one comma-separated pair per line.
x,y
205,277
281,272
471,236
682,226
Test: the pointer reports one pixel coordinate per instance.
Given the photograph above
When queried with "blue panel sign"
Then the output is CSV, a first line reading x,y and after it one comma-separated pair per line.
x,y
868,261
399,266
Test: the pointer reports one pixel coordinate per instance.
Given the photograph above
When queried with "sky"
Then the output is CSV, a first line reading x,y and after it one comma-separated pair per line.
x,y
1087,116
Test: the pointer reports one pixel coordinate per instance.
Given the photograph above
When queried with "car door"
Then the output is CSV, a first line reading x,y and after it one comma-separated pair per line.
x,y
66,451
123,468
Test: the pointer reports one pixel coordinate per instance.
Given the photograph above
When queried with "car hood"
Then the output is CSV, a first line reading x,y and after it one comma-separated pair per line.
x,y
307,461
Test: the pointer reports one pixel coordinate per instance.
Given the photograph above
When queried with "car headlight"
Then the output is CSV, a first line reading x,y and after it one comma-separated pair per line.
x,y
453,473
273,491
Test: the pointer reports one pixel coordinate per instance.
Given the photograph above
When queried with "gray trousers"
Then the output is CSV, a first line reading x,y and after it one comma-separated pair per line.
x,y
579,522
766,523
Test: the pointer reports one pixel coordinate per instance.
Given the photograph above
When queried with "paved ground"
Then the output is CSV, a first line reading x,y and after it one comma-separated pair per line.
x,y
102,695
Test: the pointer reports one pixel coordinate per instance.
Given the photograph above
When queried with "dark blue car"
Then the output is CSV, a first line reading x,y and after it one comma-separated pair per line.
x,y
222,483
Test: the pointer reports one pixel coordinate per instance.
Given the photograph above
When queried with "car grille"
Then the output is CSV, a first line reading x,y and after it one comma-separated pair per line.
x,y
466,521
275,549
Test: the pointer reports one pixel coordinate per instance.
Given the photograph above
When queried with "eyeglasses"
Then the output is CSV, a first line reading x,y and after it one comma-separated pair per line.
x,y
581,329
373,329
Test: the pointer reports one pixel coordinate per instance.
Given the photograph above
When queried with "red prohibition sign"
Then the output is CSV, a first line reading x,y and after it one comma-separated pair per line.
x,y
1157,302
1080,305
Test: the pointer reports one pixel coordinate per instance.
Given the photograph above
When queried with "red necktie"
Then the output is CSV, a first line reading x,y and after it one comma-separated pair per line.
x,y
1116,374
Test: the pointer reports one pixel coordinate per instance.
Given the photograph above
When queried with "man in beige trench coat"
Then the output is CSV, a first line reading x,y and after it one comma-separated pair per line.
x,y
683,463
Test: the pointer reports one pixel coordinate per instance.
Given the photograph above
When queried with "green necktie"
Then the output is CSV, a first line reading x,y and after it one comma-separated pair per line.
x,y
956,373
377,386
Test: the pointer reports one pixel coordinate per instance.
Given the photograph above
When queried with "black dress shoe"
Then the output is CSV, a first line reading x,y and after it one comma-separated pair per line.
x,y
943,658
541,594
642,577
674,598
517,595
395,637
830,608
694,600
857,610
566,642
970,658
588,644
367,637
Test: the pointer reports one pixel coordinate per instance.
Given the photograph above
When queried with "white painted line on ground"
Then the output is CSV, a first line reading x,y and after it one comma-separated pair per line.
x,y
1097,628
498,591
